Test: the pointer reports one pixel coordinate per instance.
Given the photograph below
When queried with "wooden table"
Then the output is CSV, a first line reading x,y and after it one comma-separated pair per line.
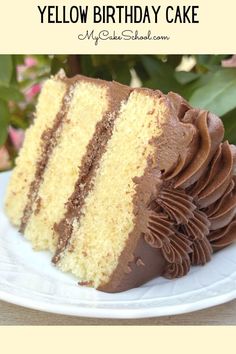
x,y
219,315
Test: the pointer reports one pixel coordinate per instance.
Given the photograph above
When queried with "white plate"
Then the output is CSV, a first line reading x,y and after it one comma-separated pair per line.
x,y
28,278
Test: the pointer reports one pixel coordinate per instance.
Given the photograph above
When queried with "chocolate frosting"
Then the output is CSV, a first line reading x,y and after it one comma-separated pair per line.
x,y
185,203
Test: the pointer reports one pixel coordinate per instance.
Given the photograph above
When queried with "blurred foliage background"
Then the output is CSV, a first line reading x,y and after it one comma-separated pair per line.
x,y
207,81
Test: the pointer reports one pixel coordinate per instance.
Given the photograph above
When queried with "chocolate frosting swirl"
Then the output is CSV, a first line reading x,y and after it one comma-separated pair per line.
x,y
223,237
177,270
192,209
202,251
160,234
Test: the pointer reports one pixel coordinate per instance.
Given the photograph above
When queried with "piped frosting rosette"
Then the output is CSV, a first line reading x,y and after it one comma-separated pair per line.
x,y
193,211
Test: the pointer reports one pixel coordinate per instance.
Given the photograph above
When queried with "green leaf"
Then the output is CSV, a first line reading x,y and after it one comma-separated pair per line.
x,y
18,121
100,60
153,66
121,73
188,89
4,120
218,94
141,72
174,60
11,94
19,59
86,65
6,68
161,75
185,77
207,60
229,121
102,73
56,65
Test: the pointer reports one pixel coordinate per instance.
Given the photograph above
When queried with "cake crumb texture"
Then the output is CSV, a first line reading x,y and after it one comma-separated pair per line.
x,y
107,216
88,105
48,105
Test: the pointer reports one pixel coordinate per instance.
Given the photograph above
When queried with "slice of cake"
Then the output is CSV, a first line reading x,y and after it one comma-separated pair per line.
x,y
123,185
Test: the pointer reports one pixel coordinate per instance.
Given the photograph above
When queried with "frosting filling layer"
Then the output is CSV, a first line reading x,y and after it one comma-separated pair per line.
x,y
49,103
117,95
89,118
49,139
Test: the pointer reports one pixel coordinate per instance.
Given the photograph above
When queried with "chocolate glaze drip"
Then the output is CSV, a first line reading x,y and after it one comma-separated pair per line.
x,y
185,205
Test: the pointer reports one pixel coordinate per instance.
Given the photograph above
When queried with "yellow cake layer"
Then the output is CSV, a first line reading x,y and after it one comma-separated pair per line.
x,y
17,193
99,237
89,104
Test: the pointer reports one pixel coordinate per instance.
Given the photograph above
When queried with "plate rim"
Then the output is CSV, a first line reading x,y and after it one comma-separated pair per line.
x,y
77,310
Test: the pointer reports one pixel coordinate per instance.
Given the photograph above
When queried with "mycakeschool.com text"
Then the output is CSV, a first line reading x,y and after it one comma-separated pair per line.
x,y
125,35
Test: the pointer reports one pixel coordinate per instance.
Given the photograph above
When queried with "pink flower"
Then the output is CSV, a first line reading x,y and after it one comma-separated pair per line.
x,y
16,136
229,63
4,159
29,61
32,91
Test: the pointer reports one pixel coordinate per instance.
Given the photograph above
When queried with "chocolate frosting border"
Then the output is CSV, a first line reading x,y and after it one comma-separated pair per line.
x,y
176,205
